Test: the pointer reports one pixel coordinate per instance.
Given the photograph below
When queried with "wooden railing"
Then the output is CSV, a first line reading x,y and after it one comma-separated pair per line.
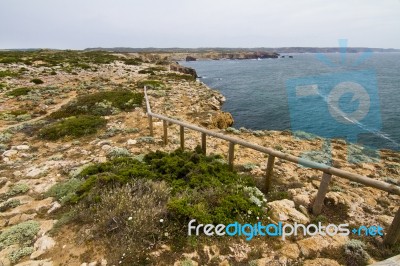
x,y
391,236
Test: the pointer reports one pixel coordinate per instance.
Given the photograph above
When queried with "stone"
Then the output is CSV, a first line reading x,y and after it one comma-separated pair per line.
x,y
41,245
385,220
321,262
55,206
19,218
32,206
106,147
34,172
221,120
93,263
17,173
3,181
291,251
131,141
46,226
10,153
302,199
22,147
283,210
313,245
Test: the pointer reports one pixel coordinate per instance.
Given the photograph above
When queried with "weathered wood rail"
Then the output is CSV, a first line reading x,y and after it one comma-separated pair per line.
x,y
391,237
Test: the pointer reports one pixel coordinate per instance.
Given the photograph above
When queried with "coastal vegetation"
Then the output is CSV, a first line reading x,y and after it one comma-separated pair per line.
x,y
169,187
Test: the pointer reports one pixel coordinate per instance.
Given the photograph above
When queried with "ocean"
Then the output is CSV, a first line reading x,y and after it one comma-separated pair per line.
x,y
310,92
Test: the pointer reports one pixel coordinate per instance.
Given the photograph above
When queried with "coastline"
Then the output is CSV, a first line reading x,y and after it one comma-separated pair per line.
x,y
41,164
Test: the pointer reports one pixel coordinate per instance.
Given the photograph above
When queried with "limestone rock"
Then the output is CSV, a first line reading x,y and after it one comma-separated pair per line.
x,y
34,172
221,120
10,153
22,147
313,245
41,245
131,141
321,262
291,251
283,210
302,199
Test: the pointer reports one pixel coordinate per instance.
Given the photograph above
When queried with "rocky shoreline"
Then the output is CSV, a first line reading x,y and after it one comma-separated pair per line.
x,y
30,166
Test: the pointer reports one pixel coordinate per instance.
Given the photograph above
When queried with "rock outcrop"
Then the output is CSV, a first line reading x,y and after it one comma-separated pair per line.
x,y
182,69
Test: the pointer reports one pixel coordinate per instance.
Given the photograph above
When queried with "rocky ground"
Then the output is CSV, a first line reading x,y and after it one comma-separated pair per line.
x,y
30,166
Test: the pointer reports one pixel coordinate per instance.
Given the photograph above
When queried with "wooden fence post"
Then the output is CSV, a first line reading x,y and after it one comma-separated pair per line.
x,y
393,234
268,176
204,143
231,154
182,136
150,124
165,126
323,188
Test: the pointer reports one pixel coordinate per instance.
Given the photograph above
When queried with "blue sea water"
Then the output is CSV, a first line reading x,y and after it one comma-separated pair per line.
x,y
261,94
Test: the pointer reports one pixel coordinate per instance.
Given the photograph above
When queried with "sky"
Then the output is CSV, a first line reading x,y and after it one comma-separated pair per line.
x,y
79,24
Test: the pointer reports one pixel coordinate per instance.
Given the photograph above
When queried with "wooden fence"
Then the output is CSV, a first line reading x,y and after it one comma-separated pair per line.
x,y
391,237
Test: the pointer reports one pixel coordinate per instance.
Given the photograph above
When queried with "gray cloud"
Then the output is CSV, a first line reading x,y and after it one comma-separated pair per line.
x,y
176,23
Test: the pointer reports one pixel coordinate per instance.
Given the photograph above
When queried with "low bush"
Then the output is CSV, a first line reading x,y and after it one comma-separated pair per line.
x,y
37,81
73,126
8,73
355,253
136,206
101,103
202,187
19,92
152,70
10,204
22,234
155,84
64,191
133,61
179,77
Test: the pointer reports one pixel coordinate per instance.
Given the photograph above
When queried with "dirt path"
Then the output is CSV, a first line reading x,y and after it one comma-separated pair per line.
x,y
50,111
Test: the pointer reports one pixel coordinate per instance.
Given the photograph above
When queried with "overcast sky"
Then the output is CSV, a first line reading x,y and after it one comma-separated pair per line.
x,y
78,24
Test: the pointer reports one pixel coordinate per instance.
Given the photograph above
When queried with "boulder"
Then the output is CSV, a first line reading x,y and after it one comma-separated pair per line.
x,y
190,58
221,120
284,210
41,245
291,251
313,245
10,153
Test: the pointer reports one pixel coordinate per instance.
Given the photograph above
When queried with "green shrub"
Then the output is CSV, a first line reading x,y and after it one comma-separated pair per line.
x,y
16,255
8,73
151,70
19,92
179,77
73,126
133,61
64,191
355,253
17,189
101,103
37,81
10,204
132,219
155,84
203,188
22,234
